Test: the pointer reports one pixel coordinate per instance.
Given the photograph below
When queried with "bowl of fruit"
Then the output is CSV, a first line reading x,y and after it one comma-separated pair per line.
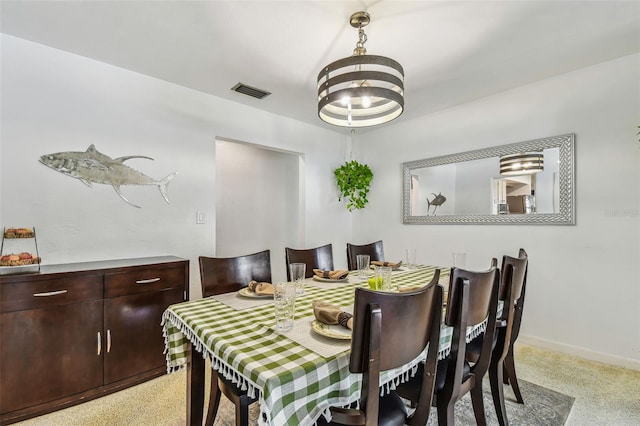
x,y
20,259
19,233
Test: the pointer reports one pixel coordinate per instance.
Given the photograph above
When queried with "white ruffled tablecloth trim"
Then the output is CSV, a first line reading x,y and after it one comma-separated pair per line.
x,y
217,364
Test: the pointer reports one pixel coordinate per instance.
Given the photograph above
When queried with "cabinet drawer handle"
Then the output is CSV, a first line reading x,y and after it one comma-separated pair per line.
x,y
49,293
99,343
108,340
149,281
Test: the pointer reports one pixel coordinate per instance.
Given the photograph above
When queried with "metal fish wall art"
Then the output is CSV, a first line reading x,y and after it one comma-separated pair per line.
x,y
437,201
92,166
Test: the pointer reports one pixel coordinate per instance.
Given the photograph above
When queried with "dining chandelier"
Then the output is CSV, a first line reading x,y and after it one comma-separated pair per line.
x,y
361,90
526,163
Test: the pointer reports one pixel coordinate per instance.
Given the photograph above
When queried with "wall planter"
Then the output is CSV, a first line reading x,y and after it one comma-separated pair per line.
x,y
353,180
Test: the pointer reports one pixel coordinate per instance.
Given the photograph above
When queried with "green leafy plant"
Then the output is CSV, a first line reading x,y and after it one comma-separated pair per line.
x,y
354,180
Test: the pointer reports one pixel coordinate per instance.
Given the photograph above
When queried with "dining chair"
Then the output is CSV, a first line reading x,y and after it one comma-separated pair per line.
x,y
472,300
509,361
220,275
315,258
374,250
389,331
513,279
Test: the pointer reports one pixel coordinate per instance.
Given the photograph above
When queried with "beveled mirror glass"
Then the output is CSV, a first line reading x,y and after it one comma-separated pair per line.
x,y
467,188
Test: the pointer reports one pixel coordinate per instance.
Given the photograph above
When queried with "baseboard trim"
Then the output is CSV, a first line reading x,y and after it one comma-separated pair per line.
x,y
632,364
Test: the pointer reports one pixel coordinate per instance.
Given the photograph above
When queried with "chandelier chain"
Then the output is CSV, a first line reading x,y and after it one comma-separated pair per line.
x,y
362,39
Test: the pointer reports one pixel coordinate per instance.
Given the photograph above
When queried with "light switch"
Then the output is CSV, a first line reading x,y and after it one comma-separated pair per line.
x,y
199,217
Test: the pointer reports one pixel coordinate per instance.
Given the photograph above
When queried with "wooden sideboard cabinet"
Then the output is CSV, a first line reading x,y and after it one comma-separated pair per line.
x,y
76,332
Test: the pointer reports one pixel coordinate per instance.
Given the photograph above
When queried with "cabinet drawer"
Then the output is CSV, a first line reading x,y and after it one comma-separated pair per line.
x,y
43,293
141,280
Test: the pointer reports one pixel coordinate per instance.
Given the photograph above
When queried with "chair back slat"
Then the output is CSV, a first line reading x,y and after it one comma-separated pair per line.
x,y
374,250
480,292
220,275
315,258
519,265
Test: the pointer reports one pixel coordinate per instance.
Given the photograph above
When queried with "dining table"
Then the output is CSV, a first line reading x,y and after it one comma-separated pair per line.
x,y
295,375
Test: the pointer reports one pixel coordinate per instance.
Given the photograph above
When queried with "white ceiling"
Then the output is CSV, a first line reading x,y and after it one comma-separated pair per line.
x,y
452,51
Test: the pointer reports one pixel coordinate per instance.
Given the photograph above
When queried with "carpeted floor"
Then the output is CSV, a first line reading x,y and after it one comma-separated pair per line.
x,y
604,395
162,402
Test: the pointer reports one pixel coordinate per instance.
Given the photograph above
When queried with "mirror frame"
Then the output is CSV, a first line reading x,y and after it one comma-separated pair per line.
x,y
567,182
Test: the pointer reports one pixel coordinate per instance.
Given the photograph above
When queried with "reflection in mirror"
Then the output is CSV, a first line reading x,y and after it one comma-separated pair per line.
x,y
468,187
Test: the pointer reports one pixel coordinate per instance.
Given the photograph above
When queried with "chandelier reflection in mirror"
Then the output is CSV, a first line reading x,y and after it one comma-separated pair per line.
x,y
526,163
361,90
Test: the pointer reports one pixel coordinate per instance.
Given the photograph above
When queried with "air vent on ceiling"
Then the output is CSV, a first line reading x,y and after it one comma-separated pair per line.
x,y
250,91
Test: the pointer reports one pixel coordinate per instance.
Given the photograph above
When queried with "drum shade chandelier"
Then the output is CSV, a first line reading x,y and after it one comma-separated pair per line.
x,y
361,90
526,163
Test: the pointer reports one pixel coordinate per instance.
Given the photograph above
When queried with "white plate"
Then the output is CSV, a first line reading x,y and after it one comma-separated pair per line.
x,y
245,292
332,331
329,280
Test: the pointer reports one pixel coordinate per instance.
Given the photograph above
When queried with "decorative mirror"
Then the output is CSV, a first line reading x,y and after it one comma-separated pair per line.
x,y
530,182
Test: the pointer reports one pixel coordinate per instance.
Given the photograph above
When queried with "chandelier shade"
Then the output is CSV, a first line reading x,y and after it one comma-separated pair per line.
x,y
361,90
526,163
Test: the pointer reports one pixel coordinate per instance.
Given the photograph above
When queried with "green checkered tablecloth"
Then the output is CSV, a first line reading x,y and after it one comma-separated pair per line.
x,y
295,386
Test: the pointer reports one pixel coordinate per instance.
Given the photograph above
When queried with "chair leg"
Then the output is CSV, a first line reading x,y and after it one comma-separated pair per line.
x,y
478,404
510,375
242,411
214,399
497,392
446,413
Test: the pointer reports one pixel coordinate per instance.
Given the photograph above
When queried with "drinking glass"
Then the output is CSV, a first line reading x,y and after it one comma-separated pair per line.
x,y
363,265
410,255
460,260
297,272
383,278
284,303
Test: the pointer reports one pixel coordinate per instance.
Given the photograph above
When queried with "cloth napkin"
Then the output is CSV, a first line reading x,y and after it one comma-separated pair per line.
x,y
330,314
393,265
261,289
334,275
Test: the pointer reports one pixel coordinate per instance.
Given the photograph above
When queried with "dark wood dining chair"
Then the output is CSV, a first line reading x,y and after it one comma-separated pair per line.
x,y
220,275
315,258
390,330
513,280
473,299
509,361
374,250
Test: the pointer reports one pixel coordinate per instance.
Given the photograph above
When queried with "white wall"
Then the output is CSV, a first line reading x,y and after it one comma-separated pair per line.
x,y
257,202
583,292
55,101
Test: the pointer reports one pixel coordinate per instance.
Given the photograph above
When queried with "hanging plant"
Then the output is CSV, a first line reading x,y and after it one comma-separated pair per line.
x,y
353,180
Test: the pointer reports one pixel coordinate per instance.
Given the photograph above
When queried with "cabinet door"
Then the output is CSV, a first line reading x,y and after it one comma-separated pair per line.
x,y
135,343
49,353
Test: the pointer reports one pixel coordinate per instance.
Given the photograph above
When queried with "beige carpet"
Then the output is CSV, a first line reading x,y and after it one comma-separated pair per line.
x,y
162,402
604,395
159,402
